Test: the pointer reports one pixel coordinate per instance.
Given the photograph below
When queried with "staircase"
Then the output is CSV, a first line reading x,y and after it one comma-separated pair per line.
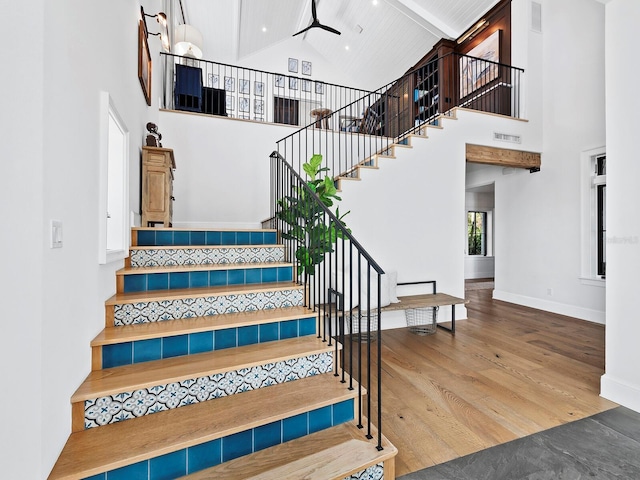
x,y
211,367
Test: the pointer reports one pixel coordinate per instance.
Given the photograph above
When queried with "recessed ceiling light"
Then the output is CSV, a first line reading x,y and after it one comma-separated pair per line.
x,y
375,2
346,47
264,29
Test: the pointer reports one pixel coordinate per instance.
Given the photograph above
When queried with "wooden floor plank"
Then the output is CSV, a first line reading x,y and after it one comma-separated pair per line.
x,y
509,371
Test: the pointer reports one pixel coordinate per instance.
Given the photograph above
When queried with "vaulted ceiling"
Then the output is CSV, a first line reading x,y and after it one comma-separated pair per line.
x,y
384,37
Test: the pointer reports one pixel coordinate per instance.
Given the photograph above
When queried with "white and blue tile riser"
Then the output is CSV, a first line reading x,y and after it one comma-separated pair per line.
x,y
139,351
158,311
214,452
201,238
374,472
150,257
142,282
128,405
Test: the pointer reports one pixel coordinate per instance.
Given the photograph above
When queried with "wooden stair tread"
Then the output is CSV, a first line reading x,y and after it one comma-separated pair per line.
x,y
159,372
143,331
159,295
198,267
202,247
331,454
180,229
95,450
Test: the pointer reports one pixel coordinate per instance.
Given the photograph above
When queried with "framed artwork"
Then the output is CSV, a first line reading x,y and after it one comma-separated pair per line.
x,y
243,104
320,88
244,87
258,88
230,103
306,67
293,65
306,85
293,83
279,81
214,80
144,63
230,84
258,107
479,71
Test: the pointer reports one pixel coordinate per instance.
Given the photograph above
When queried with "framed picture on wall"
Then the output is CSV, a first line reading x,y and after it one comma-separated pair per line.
x,y
244,87
293,65
293,83
306,85
279,81
243,104
319,88
230,84
144,63
483,69
306,68
258,88
214,80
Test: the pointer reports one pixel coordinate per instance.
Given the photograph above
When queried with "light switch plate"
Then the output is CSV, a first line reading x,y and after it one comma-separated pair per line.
x,y
56,234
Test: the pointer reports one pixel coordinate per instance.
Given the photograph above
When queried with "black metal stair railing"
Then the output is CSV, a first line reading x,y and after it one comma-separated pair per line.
x,y
349,138
342,285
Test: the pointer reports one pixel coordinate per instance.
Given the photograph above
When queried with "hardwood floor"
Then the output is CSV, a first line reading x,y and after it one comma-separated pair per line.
x,y
510,371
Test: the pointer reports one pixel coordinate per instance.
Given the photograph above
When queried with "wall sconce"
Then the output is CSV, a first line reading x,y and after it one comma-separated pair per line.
x,y
161,18
473,31
188,41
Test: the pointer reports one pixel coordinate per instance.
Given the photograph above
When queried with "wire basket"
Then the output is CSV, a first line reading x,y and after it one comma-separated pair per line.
x,y
355,322
422,321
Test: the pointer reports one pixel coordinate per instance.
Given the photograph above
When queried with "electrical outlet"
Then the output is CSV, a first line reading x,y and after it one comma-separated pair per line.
x,y
56,234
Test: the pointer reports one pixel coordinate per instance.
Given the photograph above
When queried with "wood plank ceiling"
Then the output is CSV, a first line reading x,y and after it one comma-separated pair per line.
x,y
395,33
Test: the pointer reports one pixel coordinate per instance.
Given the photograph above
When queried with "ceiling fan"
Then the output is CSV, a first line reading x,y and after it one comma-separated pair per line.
x,y
316,23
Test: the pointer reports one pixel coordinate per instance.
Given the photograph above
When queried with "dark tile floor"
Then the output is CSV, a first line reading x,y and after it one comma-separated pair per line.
x,y
604,446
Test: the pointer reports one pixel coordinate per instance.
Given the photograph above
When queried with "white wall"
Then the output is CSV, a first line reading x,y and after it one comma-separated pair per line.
x,y
538,234
621,383
222,168
54,301
21,241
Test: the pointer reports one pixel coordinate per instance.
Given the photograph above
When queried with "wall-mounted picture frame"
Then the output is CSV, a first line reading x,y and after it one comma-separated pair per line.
x,y
293,65
306,67
306,85
230,103
258,88
478,72
144,63
279,81
320,88
230,84
258,107
243,104
213,80
293,83
244,86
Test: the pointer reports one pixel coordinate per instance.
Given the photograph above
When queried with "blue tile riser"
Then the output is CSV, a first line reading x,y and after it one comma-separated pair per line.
x,y
214,452
200,238
143,282
150,257
139,351
158,311
147,401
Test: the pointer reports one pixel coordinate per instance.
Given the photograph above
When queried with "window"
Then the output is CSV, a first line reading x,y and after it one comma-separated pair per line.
x,y
600,184
476,233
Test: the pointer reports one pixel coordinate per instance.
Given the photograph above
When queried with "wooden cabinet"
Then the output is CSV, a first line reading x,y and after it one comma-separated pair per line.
x,y
157,186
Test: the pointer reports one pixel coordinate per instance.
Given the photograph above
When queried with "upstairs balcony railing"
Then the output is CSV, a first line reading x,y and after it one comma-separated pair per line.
x,y
403,107
214,88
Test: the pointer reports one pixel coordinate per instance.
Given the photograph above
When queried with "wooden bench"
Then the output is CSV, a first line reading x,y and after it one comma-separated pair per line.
x,y
427,300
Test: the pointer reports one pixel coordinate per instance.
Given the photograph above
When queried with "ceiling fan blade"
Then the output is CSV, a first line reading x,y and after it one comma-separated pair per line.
x,y
313,10
329,29
303,30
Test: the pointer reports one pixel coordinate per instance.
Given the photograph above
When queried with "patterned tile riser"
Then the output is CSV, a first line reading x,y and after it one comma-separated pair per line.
x,y
127,405
374,472
146,312
151,257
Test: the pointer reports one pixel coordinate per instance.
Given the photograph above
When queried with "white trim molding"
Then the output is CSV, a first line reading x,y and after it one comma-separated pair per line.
x,y
620,392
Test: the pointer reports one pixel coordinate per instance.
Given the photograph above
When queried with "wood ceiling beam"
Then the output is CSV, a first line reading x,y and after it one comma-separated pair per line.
x,y
503,157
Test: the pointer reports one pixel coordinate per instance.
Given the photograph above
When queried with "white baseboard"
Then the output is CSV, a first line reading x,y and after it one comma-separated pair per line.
x,y
549,306
620,392
220,225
